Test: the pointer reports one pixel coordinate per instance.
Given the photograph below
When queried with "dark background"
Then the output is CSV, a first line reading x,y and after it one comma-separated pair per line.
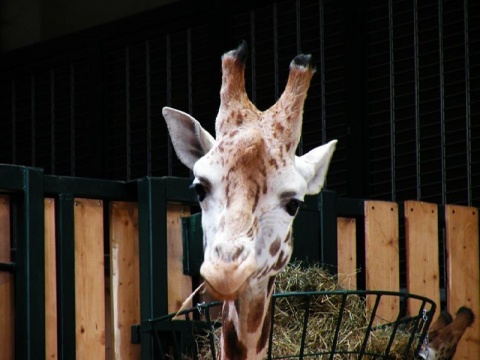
x,y
398,83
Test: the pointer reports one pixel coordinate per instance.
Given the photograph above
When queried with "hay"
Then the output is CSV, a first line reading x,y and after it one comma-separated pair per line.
x,y
324,312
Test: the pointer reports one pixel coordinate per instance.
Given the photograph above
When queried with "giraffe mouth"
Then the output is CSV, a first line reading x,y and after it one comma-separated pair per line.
x,y
226,280
222,296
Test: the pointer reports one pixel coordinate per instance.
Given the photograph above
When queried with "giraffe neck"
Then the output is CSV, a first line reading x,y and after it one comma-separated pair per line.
x,y
246,324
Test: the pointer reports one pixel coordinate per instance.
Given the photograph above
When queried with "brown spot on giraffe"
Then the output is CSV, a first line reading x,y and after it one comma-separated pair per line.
x,y
234,348
255,315
281,262
262,340
275,247
273,163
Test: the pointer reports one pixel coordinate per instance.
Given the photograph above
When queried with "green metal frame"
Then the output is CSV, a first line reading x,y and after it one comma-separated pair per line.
x,y
183,330
29,187
314,232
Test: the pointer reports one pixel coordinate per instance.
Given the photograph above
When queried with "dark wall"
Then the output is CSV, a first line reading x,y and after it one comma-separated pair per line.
x,y
397,83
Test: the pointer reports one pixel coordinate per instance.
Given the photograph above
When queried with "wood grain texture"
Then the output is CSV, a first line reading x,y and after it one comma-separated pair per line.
x,y
125,281
50,281
6,284
179,285
89,280
462,238
382,255
347,252
421,241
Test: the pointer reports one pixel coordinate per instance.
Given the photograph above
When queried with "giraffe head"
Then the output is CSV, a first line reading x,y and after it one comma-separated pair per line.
x,y
248,179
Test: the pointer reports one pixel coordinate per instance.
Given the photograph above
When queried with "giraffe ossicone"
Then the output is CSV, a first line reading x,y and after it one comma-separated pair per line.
x,y
250,185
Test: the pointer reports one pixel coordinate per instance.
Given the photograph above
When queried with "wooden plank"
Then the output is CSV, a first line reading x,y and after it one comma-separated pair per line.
x,y
382,255
421,241
89,279
125,280
347,252
6,284
463,287
50,281
179,285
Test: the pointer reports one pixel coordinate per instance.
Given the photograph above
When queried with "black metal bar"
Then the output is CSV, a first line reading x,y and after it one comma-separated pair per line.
x,y
65,237
468,114
7,267
211,339
89,188
369,328
306,316
192,239
441,76
29,275
72,121
416,57
323,117
395,325
328,228
339,324
148,106
12,177
189,71
276,91
128,119
14,122
349,207
159,344
168,54
152,251
392,101
33,119
298,23
52,121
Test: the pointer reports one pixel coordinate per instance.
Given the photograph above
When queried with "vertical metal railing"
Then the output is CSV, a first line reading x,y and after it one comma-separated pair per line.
x,y
72,121
128,117
468,119
416,68
391,55
442,103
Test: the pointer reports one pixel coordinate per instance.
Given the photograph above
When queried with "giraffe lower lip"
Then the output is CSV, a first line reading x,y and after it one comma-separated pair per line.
x,y
221,296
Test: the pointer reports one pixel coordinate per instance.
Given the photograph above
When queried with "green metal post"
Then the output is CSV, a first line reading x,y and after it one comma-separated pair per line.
x,y
327,203
30,265
152,227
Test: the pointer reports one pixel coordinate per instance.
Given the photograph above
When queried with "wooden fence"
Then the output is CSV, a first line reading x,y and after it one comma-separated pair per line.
x,y
89,313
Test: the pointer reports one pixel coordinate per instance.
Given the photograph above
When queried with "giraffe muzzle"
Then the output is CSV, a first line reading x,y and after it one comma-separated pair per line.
x,y
226,280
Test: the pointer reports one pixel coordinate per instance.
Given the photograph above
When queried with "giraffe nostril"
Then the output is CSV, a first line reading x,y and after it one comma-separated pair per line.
x,y
237,251
229,253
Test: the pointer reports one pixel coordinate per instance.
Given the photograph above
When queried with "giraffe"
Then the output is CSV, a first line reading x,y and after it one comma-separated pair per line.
x,y
250,185
445,333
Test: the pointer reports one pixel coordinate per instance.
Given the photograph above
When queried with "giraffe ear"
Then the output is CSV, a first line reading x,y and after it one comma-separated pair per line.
x,y
189,139
313,166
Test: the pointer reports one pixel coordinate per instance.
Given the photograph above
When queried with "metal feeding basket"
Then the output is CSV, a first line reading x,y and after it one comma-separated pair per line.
x,y
309,325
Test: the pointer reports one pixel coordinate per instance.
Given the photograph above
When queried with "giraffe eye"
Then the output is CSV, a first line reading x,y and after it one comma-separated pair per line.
x,y
292,206
200,190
